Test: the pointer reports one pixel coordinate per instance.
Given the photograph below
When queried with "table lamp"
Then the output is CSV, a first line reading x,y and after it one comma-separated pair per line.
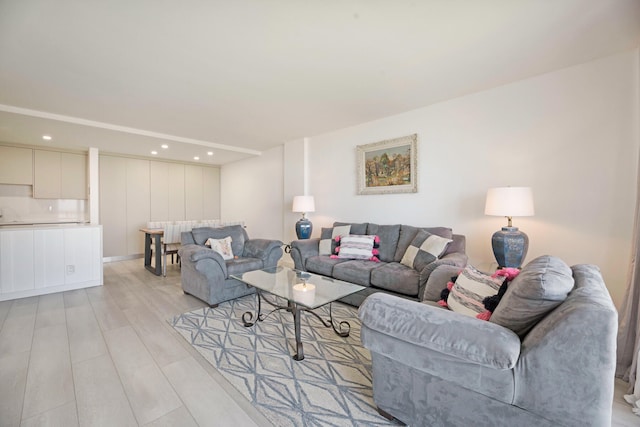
x,y
509,245
303,204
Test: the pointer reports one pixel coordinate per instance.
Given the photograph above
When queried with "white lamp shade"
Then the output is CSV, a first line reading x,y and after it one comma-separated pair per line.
x,y
303,204
509,201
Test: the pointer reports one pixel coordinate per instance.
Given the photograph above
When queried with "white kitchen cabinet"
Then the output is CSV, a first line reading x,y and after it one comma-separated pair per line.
x,y
210,193
193,191
45,259
73,176
82,257
138,204
16,165
48,252
176,192
113,200
46,177
159,191
16,261
59,175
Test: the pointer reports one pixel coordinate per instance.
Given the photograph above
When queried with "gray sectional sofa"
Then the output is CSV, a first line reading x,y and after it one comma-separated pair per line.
x,y
388,275
207,276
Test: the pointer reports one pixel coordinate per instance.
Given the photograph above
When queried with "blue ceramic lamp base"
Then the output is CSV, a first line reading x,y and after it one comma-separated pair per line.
x,y
303,228
510,247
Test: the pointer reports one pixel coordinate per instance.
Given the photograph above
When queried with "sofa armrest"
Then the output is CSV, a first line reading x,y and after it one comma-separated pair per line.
x,y
195,253
456,259
303,249
438,280
453,334
269,251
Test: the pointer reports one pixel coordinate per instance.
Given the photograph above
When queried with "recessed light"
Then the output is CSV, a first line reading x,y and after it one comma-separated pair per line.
x,y
165,146
196,158
46,137
209,153
154,152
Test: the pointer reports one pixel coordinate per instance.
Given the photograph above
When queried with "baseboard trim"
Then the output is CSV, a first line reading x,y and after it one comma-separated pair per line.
x,y
121,258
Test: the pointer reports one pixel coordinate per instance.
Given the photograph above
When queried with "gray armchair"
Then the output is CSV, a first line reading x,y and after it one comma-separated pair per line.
x,y
432,366
207,276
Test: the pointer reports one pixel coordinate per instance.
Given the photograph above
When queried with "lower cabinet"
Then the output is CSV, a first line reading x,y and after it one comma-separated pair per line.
x,y
48,267
16,261
46,260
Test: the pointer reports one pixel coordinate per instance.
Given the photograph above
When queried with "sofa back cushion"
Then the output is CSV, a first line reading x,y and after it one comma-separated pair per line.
x,y
408,233
542,285
389,236
236,232
355,228
458,244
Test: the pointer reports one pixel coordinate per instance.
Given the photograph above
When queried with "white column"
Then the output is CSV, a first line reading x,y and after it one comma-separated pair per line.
x,y
94,186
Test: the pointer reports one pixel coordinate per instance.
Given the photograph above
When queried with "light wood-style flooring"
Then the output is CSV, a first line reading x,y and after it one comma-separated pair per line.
x,y
106,356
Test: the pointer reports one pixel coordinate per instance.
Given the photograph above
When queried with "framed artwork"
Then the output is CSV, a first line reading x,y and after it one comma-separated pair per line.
x,y
389,166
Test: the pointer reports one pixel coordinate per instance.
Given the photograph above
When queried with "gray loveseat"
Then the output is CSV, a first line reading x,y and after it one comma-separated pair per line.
x,y
207,276
435,367
389,275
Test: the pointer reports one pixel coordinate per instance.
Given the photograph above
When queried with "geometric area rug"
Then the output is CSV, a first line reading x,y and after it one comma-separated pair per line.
x,y
330,387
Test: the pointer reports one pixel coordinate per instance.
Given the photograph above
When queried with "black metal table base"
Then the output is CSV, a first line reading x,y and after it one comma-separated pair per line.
x,y
248,320
157,253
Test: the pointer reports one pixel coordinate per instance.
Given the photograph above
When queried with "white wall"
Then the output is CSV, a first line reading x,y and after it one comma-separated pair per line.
x,y
571,135
252,190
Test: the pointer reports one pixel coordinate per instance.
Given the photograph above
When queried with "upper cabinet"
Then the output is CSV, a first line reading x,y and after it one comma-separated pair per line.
x,y
16,165
59,175
73,176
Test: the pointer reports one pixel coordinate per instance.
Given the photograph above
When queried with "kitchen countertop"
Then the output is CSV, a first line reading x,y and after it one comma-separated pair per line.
x,y
41,224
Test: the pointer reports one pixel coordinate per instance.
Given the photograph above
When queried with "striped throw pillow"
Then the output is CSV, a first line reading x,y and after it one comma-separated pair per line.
x,y
356,247
471,287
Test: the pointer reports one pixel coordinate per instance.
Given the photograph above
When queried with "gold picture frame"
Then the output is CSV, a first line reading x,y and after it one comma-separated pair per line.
x,y
389,166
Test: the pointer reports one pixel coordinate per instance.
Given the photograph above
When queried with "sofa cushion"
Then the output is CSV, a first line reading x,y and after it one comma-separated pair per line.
x,y
355,228
471,287
424,249
327,245
236,232
542,285
322,264
408,232
397,278
221,246
389,235
355,271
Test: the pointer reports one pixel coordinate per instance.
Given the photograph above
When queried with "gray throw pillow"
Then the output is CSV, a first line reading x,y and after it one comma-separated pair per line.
x,y
541,286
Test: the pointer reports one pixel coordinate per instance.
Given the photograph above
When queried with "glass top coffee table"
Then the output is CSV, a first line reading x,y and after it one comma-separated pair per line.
x,y
303,292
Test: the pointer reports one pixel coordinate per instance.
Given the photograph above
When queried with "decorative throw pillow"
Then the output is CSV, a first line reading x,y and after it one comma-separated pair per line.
x,y
470,288
221,246
424,249
357,247
328,238
541,286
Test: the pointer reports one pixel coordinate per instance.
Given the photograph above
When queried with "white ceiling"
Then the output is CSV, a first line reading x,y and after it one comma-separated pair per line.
x,y
241,76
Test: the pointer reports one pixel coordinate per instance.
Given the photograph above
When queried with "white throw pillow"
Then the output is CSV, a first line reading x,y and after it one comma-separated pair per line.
x,y
356,247
221,246
471,287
